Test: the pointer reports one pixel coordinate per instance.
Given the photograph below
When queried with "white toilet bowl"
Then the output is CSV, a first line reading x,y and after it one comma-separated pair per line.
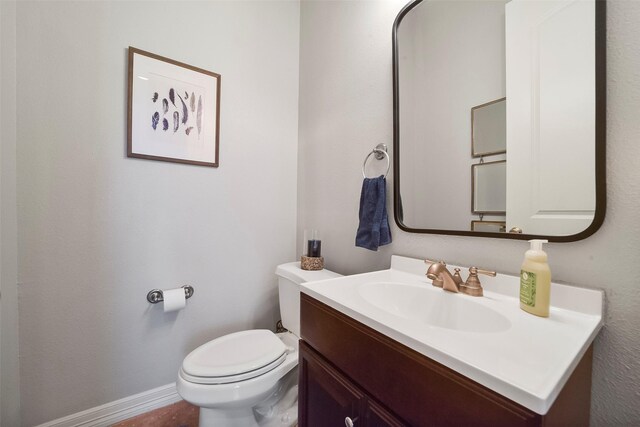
x,y
244,403
250,378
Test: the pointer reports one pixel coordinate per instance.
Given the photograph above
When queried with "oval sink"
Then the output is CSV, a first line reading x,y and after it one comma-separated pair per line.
x,y
433,307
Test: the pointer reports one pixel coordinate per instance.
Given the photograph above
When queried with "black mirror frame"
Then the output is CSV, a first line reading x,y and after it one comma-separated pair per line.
x,y
600,142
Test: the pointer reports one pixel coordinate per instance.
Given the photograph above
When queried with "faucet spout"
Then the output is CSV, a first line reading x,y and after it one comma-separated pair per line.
x,y
438,271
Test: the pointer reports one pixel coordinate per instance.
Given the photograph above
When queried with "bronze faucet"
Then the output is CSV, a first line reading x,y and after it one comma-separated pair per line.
x,y
442,278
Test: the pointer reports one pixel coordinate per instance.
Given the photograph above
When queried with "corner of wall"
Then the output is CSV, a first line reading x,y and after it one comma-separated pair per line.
x,y
9,361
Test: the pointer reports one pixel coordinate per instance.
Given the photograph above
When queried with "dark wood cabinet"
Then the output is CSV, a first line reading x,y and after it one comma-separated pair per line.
x,y
334,398
378,416
350,370
331,399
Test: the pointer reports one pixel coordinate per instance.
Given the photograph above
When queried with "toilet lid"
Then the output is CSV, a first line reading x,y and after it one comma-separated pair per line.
x,y
231,357
233,378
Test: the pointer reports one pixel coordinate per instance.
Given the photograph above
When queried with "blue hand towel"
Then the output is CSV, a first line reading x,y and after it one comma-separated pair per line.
x,y
373,230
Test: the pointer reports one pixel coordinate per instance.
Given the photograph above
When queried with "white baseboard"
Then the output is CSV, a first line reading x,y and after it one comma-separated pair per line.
x,y
120,410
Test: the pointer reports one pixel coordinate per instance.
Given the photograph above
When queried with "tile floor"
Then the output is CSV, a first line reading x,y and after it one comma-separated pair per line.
x,y
180,414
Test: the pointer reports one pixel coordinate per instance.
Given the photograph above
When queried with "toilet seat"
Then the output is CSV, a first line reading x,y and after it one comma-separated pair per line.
x,y
234,357
233,378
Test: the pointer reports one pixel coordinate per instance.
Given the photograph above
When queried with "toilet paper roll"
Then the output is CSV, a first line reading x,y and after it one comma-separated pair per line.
x,y
174,299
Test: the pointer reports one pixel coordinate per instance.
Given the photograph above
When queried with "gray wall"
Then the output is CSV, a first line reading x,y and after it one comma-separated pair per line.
x,y
346,109
9,362
97,230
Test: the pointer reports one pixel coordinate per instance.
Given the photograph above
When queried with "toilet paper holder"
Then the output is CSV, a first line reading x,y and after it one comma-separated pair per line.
x,y
155,295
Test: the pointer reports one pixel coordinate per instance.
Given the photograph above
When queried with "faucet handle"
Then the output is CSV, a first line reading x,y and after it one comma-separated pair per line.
x,y
473,286
430,261
476,270
456,277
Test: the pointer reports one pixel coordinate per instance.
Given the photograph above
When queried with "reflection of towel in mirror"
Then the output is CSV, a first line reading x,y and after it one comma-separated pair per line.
x,y
373,230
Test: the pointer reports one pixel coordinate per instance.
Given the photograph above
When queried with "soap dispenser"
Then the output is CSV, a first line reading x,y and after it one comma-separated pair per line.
x,y
535,280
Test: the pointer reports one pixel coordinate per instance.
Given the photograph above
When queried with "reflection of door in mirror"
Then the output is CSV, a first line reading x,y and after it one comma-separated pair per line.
x,y
453,57
551,129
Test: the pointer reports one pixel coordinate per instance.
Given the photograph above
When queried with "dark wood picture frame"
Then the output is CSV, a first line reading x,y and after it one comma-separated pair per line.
x,y
200,117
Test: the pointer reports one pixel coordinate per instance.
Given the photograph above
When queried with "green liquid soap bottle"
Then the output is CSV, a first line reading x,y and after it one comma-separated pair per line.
x,y
535,280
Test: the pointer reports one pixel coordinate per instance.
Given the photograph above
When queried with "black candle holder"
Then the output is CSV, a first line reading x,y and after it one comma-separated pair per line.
x,y
312,251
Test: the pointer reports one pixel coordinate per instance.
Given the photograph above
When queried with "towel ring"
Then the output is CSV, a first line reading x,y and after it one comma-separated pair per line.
x,y
380,152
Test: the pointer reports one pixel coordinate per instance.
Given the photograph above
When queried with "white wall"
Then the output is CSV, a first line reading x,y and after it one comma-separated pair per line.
x,y
346,108
9,363
97,230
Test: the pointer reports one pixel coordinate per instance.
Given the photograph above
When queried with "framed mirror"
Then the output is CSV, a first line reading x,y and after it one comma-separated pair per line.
x,y
532,76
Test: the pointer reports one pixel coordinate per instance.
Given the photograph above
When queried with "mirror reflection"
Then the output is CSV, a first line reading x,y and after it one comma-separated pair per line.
x,y
489,128
489,188
496,122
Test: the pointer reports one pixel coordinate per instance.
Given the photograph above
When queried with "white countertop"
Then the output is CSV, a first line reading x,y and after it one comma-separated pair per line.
x,y
529,362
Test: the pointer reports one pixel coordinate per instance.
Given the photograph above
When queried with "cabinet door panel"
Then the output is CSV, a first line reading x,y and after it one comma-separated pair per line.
x,y
377,416
326,398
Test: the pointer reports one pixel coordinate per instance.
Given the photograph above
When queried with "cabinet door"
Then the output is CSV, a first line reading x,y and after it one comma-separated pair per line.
x,y
377,416
326,398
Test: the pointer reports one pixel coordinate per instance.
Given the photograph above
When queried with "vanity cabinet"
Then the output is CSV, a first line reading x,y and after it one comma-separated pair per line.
x,y
348,369
336,401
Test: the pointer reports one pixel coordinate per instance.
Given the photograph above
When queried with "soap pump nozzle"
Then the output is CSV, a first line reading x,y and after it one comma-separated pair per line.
x,y
536,244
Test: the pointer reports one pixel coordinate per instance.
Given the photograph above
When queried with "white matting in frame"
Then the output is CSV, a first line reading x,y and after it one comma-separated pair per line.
x,y
174,110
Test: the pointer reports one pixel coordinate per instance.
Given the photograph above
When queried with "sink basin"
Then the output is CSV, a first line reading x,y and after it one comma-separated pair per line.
x,y
433,307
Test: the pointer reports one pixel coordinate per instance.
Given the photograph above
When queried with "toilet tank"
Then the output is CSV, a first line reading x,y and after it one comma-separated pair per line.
x,y
290,276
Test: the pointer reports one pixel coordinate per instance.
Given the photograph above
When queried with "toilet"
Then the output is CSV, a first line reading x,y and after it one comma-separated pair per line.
x,y
250,378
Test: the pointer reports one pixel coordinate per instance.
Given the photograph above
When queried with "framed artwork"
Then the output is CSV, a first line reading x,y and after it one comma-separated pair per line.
x,y
489,188
174,111
489,128
489,226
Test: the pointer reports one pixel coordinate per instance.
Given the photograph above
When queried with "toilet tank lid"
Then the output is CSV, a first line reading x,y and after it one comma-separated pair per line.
x,y
293,272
